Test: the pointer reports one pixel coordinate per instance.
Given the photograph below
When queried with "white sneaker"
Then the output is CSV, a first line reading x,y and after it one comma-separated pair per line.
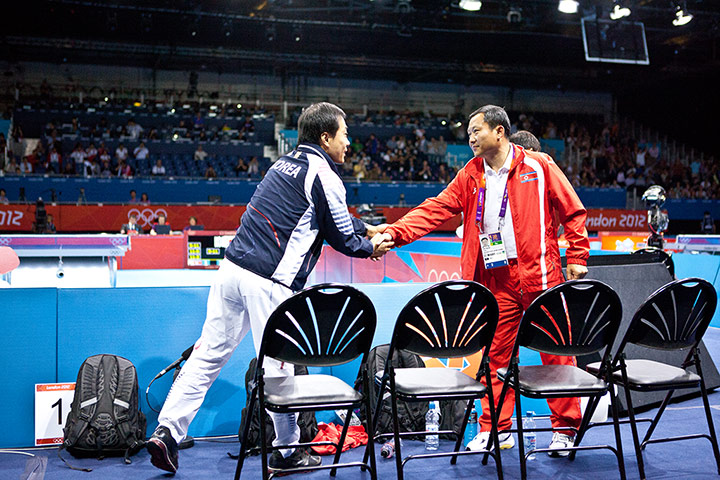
x,y
482,439
560,440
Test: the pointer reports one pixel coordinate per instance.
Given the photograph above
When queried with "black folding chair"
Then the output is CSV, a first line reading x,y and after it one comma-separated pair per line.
x,y
675,317
578,317
325,325
448,320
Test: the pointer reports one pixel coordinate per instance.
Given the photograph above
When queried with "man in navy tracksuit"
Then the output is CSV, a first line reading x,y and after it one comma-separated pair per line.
x,y
298,205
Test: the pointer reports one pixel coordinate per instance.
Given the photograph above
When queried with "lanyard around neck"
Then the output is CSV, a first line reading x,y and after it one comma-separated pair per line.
x,y
481,200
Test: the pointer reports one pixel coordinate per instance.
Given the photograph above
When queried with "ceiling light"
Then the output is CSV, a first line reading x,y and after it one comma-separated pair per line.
x,y
619,12
470,5
682,16
568,6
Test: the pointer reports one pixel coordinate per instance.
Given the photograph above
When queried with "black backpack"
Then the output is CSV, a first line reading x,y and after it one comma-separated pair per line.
x,y
105,419
306,420
411,415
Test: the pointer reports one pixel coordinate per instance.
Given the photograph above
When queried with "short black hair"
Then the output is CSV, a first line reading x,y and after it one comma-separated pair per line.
x,y
494,116
526,140
317,119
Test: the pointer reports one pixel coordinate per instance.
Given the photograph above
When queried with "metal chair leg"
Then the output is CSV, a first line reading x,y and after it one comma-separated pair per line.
x,y
241,456
378,409
521,442
501,400
341,442
584,424
708,415
494,414
396,431
616,427
370,448
633,427
655,421
461,436
263,449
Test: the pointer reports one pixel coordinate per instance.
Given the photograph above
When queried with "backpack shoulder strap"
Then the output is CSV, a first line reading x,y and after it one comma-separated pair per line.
x,y
62,447
125,405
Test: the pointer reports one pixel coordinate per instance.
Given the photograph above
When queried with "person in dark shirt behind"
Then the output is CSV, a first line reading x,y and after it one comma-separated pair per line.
x,y
131,227
161,227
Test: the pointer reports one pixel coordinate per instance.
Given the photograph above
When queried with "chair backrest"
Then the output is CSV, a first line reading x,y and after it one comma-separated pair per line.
x,y
324,325
577,317
674,317
451,319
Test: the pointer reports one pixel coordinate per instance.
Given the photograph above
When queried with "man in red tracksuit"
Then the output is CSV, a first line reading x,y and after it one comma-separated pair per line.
x,y
509,193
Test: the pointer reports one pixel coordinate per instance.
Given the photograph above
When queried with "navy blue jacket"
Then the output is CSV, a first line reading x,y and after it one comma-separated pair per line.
x,y
299,204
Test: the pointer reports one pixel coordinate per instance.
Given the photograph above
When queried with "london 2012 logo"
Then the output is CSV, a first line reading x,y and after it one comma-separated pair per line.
x,y
10,217
146,215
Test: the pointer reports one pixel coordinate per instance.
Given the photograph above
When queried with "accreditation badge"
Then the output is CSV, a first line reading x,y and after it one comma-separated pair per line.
x,y
493,250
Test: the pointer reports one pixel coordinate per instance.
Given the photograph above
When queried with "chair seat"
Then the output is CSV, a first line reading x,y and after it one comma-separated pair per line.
x,y
420,382
651,375
308,390
550,380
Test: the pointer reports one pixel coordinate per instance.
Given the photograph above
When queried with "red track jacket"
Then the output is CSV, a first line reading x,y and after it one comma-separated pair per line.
x,y
537,189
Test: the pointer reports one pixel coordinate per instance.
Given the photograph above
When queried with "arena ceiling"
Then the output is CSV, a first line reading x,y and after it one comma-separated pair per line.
x,y
505,42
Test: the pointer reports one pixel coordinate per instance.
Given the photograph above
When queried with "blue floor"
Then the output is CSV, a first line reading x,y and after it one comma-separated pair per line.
x,y
208,459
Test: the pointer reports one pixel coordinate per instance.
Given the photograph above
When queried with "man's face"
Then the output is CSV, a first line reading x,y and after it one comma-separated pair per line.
x,y
336,146
481,137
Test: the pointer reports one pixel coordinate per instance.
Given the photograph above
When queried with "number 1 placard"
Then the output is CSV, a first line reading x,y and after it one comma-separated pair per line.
x,y
52,404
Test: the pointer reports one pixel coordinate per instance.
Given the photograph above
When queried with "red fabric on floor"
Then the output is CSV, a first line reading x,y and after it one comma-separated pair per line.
x,y
329,432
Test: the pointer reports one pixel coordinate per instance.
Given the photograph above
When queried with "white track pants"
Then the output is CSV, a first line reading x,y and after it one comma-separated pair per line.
x,y
239,301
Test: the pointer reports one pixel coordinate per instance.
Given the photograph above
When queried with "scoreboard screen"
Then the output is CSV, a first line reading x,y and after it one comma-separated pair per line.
x,y
205,248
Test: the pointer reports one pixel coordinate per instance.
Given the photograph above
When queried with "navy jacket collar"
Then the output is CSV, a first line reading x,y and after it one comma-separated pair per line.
x,y
312,148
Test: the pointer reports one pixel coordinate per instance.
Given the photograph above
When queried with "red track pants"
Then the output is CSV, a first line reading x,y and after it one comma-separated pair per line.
x,y
505,285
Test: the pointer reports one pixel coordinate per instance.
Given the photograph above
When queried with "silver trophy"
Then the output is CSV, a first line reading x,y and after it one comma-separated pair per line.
x,y
658,221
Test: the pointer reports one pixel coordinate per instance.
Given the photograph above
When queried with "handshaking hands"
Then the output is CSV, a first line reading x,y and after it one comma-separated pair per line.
x,y
382,242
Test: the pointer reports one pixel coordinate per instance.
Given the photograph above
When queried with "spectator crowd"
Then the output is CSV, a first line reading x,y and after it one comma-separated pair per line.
x,y
594,153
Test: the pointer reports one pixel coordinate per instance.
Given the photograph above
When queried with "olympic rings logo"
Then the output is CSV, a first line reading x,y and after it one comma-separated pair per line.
x,y
434,276
147,215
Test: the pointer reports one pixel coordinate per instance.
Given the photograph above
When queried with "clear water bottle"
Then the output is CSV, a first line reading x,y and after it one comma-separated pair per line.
x,y
472,426
432,424
529,438
388,448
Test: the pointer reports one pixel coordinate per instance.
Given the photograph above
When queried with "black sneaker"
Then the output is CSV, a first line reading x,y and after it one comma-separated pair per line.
x,y
163,450
300,458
